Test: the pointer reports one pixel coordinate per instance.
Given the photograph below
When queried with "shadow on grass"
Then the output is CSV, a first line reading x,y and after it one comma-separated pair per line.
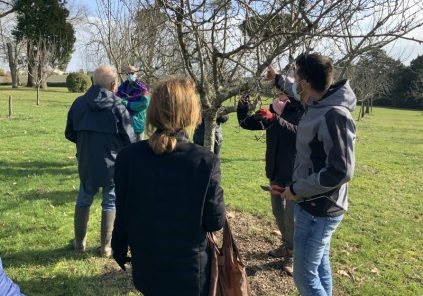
x,y
265,262
20,169
228,160
42,257
56,198
111,282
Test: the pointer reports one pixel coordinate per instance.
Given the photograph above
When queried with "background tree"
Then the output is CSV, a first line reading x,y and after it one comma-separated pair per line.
x,y
11,51
7,7
372,77
408,88
42,24
133,32
225,46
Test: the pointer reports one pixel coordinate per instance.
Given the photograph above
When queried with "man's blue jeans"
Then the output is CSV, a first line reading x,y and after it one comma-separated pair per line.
x,y
86,196
312,235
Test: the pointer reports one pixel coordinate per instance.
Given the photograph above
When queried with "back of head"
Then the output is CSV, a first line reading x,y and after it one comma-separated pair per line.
x,y
174,107
316,69
104,76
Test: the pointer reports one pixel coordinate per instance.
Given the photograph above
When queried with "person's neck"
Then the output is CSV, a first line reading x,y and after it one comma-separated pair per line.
x,y
314,96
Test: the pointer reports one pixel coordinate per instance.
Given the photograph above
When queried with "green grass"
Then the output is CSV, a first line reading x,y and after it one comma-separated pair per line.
x,y
376,251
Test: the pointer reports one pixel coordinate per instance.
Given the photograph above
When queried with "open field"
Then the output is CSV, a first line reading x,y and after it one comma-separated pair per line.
x,y
376,251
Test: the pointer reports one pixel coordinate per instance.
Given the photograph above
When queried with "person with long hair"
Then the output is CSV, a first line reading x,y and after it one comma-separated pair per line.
x,y
168,196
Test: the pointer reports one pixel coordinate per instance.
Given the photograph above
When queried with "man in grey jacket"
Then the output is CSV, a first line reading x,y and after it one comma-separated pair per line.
x,y
323,167
100,127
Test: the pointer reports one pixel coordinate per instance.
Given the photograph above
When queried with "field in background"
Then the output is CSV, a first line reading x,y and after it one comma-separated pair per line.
x,y
376,251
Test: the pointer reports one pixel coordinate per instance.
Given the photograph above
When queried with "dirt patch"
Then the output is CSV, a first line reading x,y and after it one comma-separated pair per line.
x,y
254,238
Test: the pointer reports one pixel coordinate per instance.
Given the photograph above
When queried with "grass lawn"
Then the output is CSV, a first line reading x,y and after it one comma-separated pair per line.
x,y
376,251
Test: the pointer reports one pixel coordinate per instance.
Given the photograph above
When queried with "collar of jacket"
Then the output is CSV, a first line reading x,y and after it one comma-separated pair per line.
x,y
180,135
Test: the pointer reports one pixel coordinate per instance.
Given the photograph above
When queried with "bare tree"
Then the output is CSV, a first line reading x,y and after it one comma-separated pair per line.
x,y
44,60
137,33
218,56
225,46
10,50
6,7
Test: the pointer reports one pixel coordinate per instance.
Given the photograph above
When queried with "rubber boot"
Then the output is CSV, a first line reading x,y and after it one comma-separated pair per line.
x,y
107,221
80,227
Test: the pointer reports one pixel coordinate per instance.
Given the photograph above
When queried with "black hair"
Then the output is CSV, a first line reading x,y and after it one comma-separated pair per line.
x,y
316,69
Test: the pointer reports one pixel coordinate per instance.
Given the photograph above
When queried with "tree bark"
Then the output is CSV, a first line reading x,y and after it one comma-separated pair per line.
x,y
10,106
209,128
12,65
30,81
38,95
367,106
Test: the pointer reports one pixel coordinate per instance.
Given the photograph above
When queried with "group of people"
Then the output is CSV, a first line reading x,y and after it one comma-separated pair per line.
x,y
161,196
309,162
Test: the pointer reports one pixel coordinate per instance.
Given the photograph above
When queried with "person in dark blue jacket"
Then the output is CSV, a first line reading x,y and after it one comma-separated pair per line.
x,y
280,155
165,210
100,126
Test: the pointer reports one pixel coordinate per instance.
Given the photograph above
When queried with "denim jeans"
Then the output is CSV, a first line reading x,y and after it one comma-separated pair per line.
x,y
86,196
312,235
283,211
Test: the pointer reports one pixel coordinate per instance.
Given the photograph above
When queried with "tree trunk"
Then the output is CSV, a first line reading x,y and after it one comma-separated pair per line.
x,y
367,106
38,94
12,65
209,128
10,106
42,76
30,81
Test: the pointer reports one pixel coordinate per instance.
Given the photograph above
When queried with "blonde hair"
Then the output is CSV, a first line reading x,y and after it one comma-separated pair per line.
x,y
174,107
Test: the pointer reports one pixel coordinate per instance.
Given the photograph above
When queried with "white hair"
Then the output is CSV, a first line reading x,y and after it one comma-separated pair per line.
x,y
104,75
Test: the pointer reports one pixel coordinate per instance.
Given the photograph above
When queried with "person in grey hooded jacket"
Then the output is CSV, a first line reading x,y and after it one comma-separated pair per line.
x,y
100,127
323,167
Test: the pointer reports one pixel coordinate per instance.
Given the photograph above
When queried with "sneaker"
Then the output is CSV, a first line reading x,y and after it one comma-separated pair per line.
x,y
279,252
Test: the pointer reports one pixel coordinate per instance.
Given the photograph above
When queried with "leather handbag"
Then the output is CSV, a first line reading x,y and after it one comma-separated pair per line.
x,y
227,275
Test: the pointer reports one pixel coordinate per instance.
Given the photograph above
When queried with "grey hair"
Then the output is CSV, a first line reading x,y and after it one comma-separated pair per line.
x,y
104,75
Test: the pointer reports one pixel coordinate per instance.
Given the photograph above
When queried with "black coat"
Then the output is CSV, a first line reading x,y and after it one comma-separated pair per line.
x,y
100,126
280,139
165,205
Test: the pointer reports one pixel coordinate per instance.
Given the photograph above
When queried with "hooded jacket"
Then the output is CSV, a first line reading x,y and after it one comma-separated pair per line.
x,y
325,152
100,127
136,95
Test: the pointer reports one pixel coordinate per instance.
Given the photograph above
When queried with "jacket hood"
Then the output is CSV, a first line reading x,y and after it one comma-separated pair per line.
x,y
339,94
101,98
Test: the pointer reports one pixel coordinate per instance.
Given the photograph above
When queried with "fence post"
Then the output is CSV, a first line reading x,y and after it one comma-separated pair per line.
x,y
10,106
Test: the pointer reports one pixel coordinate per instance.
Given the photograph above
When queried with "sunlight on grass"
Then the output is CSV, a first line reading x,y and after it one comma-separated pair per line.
x,y
376,251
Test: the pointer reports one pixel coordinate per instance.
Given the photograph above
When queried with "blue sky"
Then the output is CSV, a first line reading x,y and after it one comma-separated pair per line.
x,y
406,51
